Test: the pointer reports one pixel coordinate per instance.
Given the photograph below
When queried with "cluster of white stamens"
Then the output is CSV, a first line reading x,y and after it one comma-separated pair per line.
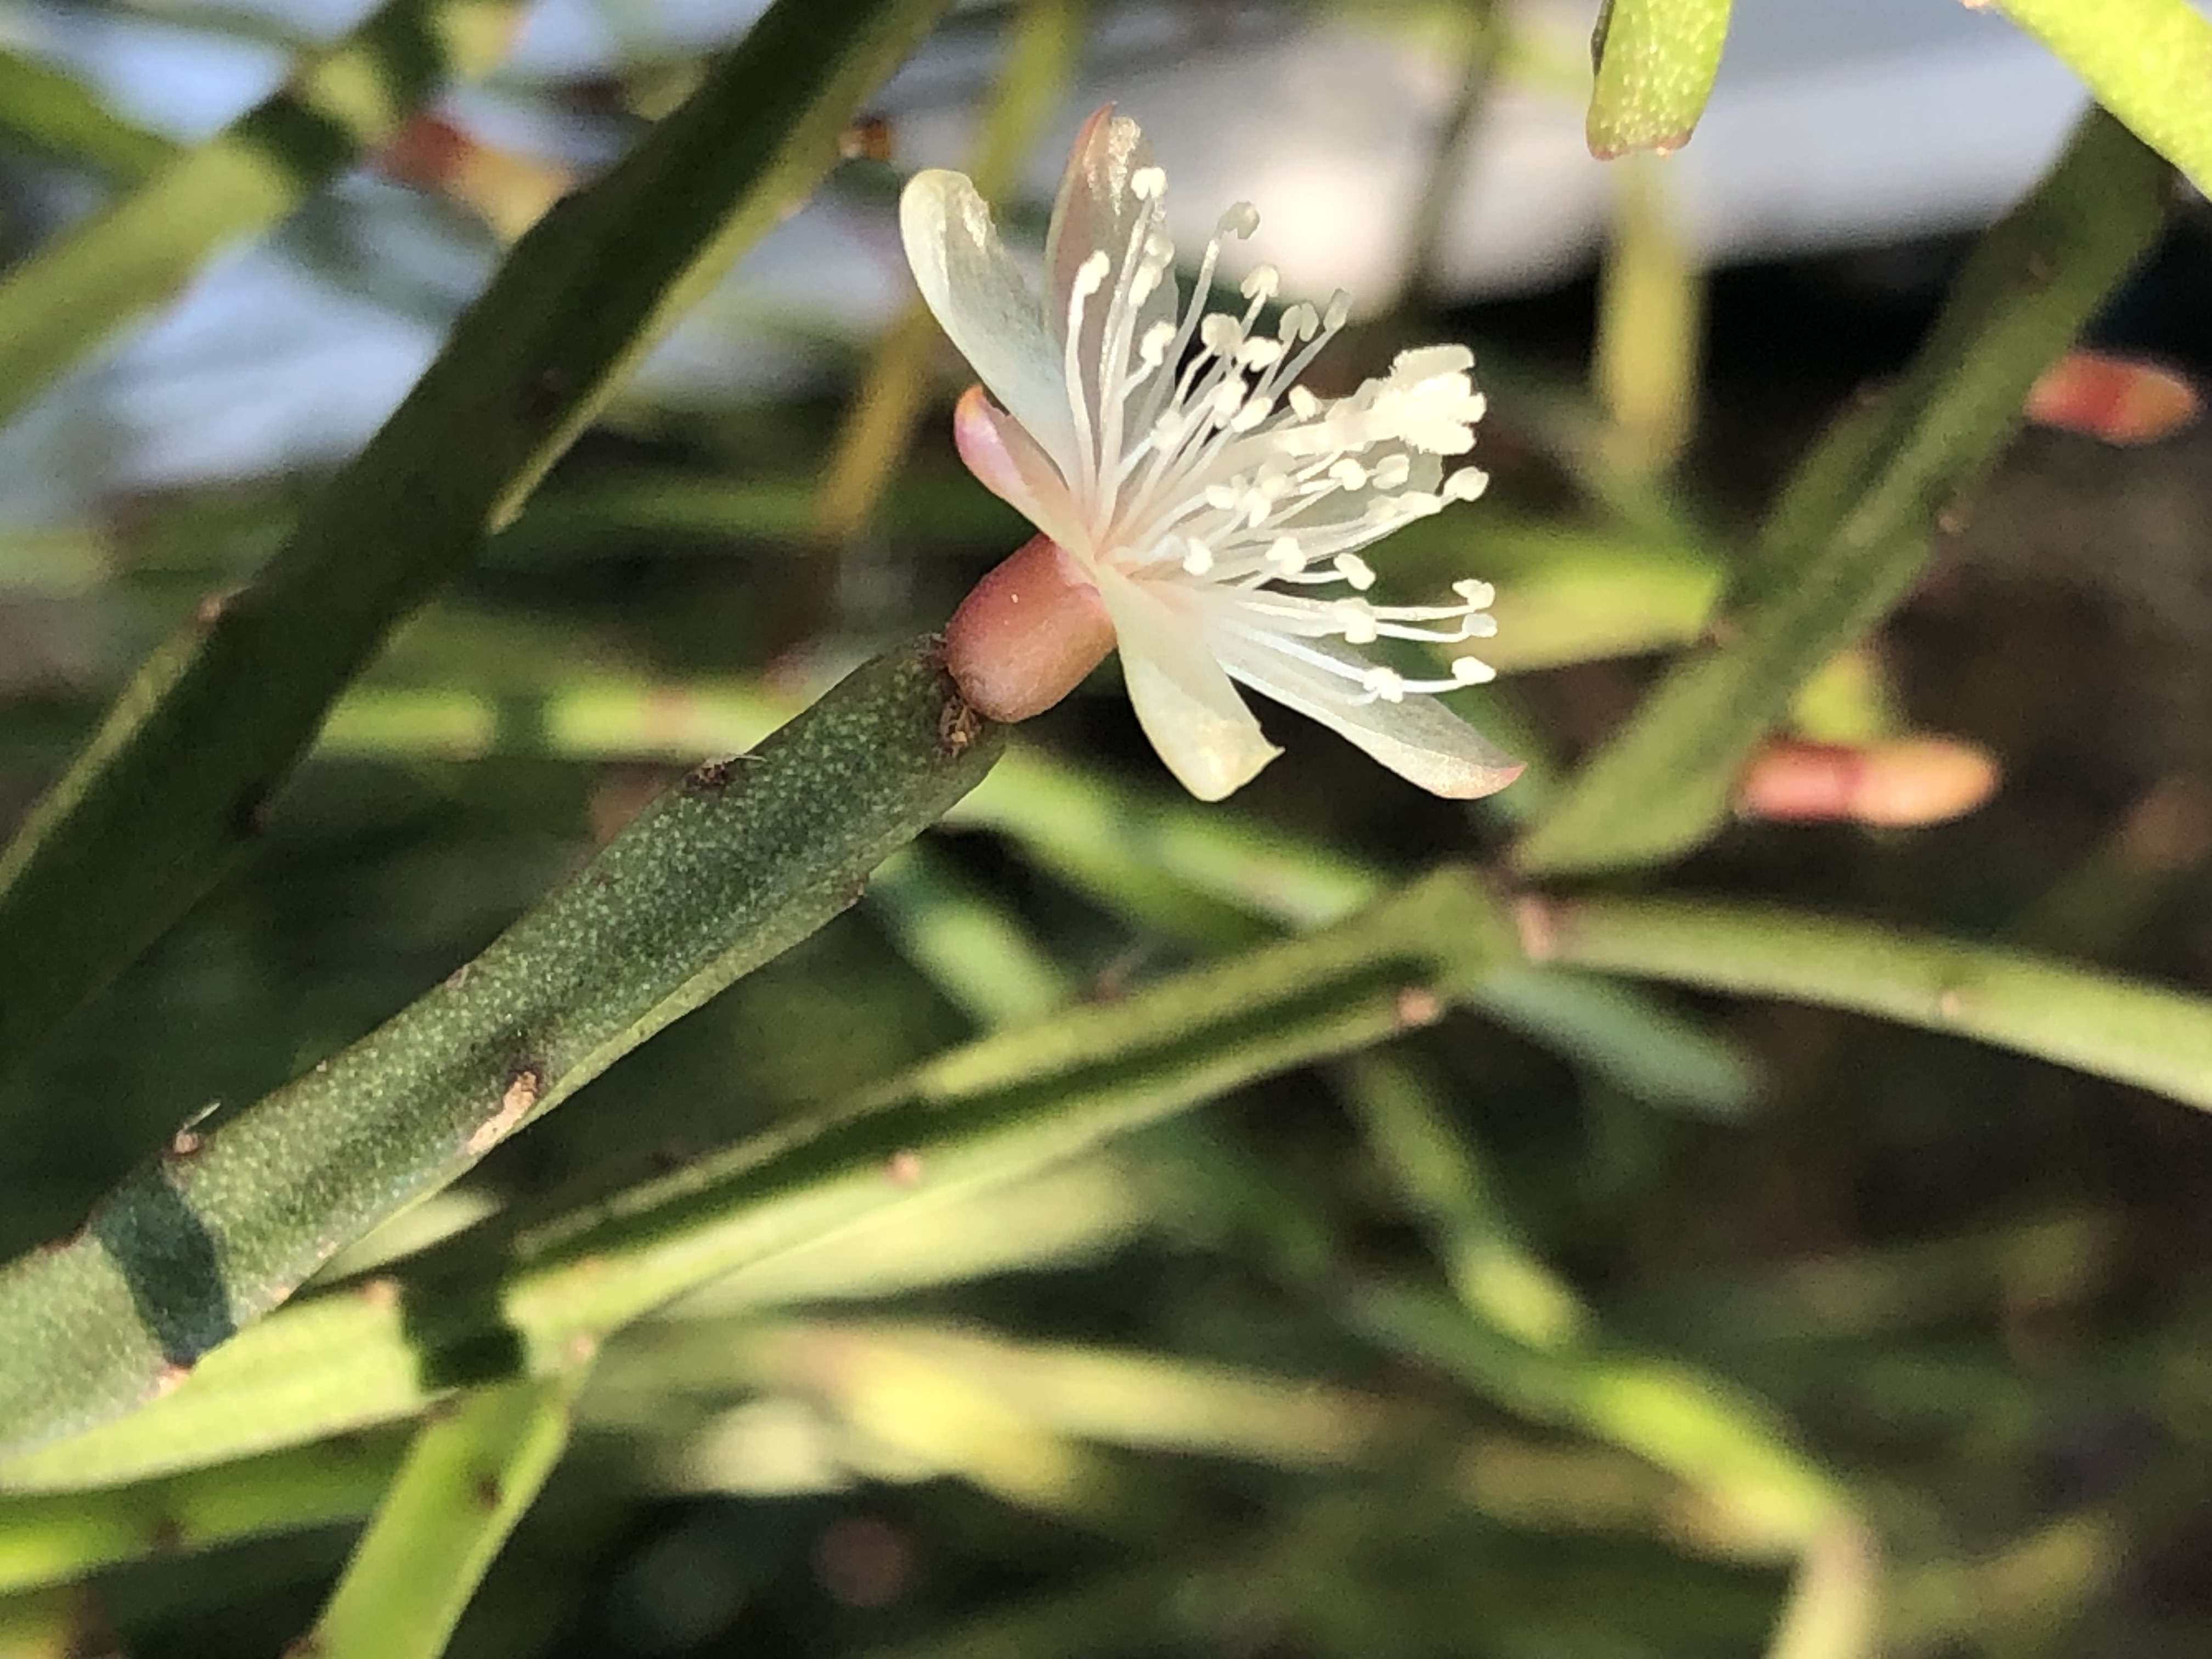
x,y
1204,454
1196,506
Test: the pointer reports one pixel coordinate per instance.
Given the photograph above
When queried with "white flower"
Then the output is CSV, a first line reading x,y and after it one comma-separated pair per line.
x,y
1213,503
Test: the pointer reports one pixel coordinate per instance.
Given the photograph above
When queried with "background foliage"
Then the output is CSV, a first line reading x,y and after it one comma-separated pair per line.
x,y
1605,1221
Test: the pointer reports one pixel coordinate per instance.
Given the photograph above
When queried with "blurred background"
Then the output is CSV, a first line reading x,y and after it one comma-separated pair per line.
x,y
1131,1412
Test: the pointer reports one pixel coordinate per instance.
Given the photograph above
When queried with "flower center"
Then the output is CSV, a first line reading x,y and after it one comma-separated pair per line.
x,y
1203,465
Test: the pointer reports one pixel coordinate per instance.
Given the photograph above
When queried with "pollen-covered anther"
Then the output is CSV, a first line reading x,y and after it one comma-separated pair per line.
x,y
1355,621
1355,570
1383,685
1091,275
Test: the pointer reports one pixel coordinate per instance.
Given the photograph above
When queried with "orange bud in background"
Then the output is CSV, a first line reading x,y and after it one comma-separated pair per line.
x,y
508,191
1027,634
2120,400
1893,785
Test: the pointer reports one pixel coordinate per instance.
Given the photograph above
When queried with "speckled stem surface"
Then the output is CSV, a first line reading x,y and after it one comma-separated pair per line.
x,y
739,862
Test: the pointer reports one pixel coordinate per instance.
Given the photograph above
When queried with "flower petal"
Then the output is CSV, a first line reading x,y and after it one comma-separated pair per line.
x,y
1419,738
1098,211
1186,704
980,297
1011,465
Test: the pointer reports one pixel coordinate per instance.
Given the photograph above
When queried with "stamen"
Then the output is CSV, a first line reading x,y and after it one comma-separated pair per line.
x,y
1198,557
1386,684
1148,184
1089,276
1355,570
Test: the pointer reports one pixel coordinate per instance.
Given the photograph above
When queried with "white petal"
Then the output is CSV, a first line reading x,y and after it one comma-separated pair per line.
x,y
1186,704
979,297
1419,738
1012,467
1096,211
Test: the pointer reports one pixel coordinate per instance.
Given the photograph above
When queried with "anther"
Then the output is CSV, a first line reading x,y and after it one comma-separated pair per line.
x,y
1090,276
1386,684
1255,410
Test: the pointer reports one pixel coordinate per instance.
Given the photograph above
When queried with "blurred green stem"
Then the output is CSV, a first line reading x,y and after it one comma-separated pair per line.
x,y
2099,1022
1851,531
996,1111
465,1481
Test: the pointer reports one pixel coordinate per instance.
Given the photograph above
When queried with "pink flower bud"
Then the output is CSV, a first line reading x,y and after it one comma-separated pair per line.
x,y
1896,785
